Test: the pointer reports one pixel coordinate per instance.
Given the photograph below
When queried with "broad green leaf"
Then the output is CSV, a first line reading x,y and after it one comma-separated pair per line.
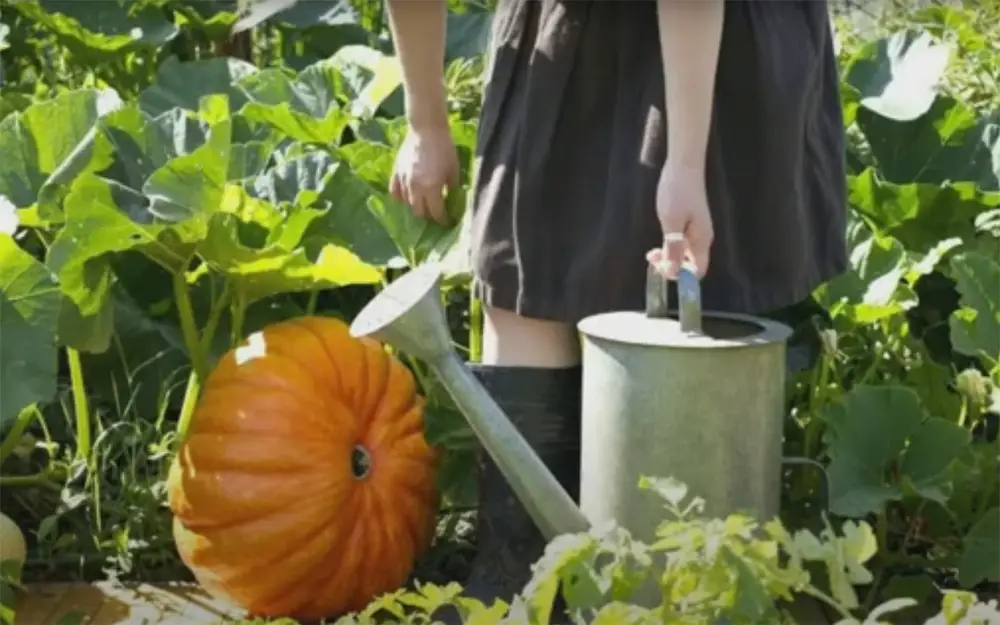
x,y
104,218
897,77
338,199
367,79
919,215
101,27
872,288
298,181
975,327
306,107
929,454
949,143
29,316
182,85
881,445
980,559
48,144
192,185
261,272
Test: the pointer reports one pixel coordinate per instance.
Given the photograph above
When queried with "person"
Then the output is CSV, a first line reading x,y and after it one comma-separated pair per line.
x,y
613,135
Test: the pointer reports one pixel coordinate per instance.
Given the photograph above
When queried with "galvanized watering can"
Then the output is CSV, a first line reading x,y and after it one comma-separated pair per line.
x,y
699,398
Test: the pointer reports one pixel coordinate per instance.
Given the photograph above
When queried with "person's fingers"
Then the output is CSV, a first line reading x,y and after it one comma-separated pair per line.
x,y
700,246
675,248
434,202
396,188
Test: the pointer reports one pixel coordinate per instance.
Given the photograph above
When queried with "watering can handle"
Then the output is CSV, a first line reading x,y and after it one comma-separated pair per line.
x,y
688,296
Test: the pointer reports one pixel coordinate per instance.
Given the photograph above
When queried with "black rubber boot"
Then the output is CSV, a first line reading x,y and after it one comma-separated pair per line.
x,y
544,405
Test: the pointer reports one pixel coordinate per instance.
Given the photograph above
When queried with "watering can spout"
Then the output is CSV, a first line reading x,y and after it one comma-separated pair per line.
x,y
408,315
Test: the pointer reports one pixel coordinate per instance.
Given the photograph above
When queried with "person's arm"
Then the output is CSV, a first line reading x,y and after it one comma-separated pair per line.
x,y
418,31
690,36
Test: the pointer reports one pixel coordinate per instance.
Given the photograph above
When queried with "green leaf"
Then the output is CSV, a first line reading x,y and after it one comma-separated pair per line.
x,y
872,288
919,215
281,267
29,314
182,85
192,185
305,108
949,143
882,447
929,453
48,144
980,559
897,77
104,218
975,327
112,28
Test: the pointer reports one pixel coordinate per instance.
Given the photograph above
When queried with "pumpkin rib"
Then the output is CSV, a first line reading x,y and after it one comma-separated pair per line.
x,y
259,570
385,365
278,350
276,505
257,386
346,544
307,325
307,409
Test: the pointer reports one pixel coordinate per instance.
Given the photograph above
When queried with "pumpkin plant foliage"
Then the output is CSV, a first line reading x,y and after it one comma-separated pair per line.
x,y
166,196
733,570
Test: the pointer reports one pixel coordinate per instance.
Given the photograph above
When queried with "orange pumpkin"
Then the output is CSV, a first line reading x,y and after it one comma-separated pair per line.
x,y
305,487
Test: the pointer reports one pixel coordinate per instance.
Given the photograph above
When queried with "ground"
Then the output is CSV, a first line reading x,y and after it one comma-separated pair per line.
x,y
106,603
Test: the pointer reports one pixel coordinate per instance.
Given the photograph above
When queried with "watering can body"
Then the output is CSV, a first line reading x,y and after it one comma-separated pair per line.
x,y
699,398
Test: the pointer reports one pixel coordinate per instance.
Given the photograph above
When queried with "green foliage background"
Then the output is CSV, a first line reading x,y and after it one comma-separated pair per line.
x,y
165,190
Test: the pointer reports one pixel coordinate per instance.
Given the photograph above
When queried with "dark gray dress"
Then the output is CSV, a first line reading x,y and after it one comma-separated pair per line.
x,y
571,145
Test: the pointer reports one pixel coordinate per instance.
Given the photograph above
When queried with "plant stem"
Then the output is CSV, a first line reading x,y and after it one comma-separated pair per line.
x,y
81,408
188,405
475,328
313,300
189,327
42,478
237,312
21,423
214,316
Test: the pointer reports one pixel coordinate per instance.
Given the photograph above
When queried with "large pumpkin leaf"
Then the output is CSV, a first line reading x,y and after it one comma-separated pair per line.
x,y
29,315
948,143
919,214
897,77
281,266
104,218
879,281
980,559
45,146
183,85
975,327
109,27
883,446
306,108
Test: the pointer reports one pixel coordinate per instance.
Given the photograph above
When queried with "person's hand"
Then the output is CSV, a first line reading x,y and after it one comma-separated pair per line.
x,y
426,164
682,206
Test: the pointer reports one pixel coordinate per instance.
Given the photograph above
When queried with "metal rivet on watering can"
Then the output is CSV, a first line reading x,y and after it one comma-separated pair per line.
x,y
694,396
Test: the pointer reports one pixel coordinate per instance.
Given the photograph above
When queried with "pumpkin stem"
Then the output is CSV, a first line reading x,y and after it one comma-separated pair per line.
x,y
361,462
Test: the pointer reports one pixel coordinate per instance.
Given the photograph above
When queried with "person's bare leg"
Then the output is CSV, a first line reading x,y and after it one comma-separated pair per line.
x,y
513,341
